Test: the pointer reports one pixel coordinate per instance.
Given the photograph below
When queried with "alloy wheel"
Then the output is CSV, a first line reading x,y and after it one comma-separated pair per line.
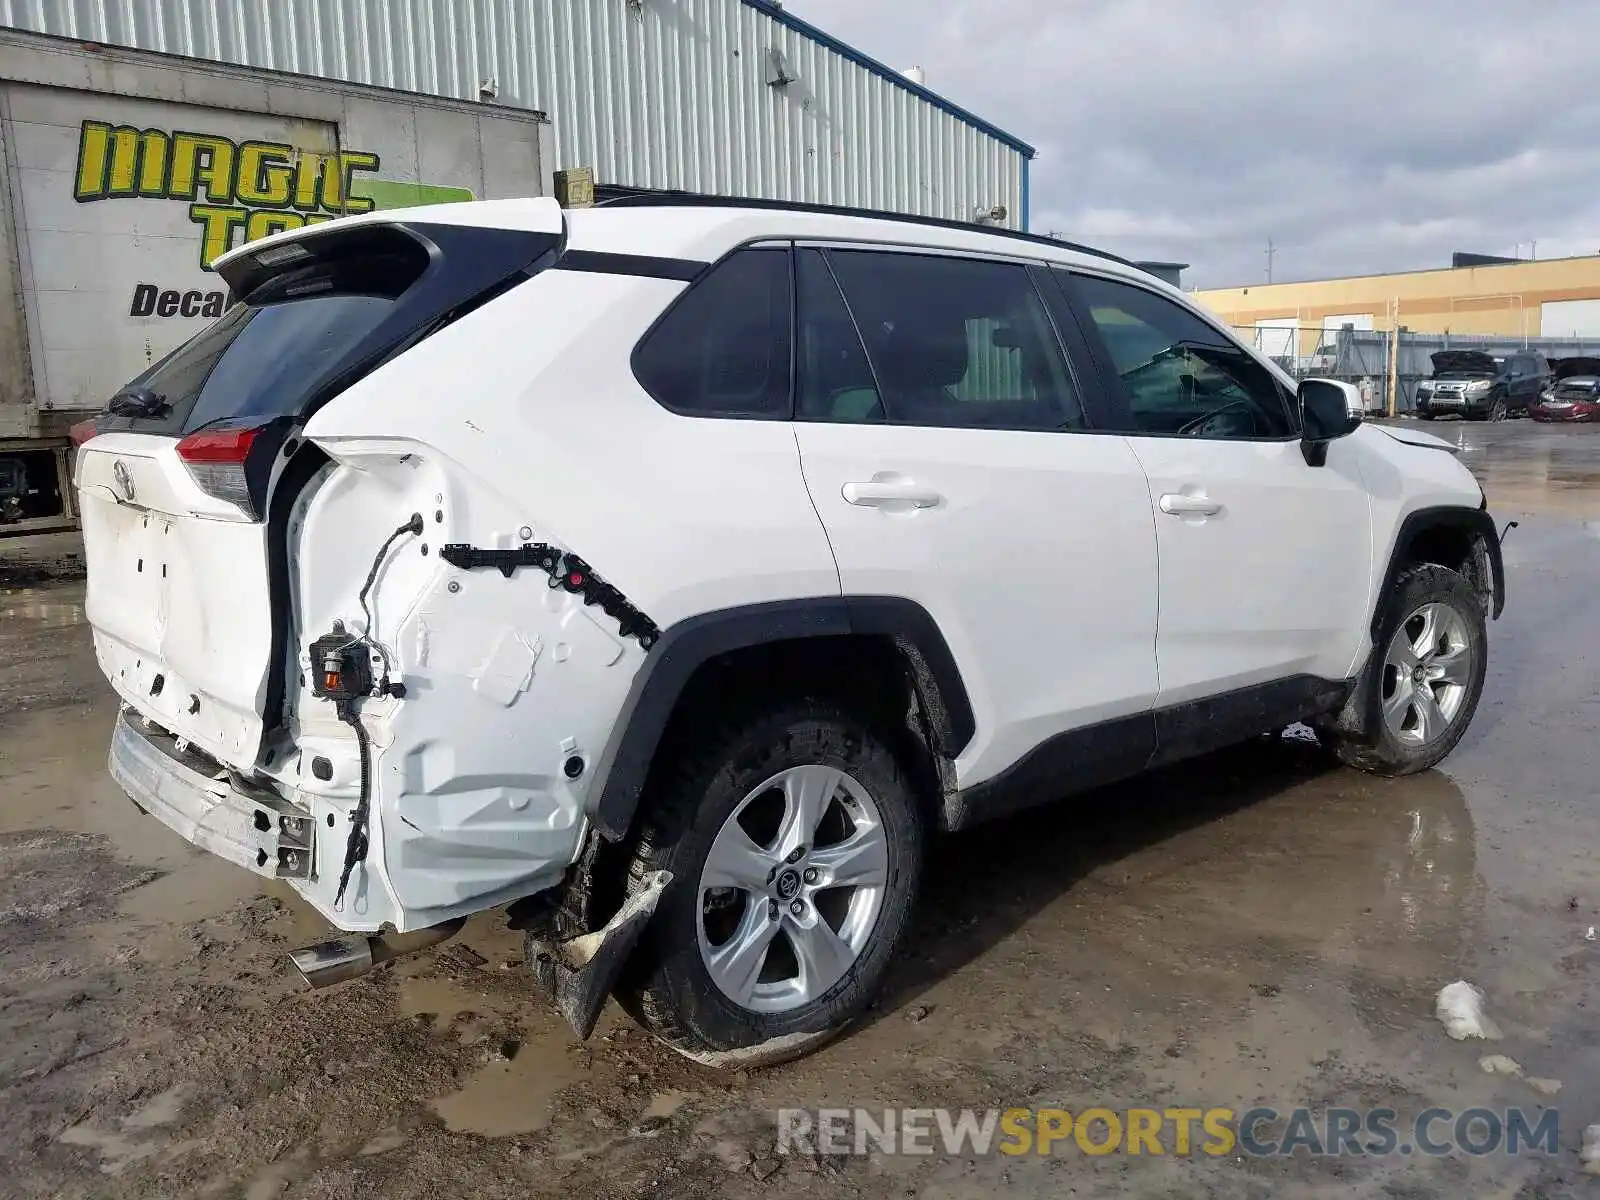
x,y
1427,673
792,888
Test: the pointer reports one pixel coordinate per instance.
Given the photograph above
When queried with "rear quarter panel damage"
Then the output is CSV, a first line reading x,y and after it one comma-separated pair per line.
x,y
524,423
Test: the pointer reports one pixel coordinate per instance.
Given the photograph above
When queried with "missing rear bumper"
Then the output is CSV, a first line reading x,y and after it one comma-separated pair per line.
x,y
248,826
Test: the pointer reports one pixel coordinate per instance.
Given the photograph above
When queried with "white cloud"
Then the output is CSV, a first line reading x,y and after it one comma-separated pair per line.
x,y
1366,136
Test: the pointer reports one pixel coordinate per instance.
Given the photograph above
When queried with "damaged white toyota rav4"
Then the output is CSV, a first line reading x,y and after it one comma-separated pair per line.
x,y
666,572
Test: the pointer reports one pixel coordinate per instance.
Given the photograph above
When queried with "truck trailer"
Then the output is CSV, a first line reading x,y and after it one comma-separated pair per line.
x,y
127,174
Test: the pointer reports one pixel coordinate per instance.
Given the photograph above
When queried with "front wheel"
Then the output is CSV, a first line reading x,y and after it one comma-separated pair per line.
x,y
795,843
1423,682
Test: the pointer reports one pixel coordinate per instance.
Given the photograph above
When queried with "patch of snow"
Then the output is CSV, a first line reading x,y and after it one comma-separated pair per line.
x,y
1460,1008
1589,1156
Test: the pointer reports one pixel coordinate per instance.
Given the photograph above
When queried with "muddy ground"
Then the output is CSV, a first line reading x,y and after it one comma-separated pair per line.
x,y
1252,928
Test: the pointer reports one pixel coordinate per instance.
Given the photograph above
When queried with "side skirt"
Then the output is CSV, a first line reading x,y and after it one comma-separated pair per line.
x,y
1081,759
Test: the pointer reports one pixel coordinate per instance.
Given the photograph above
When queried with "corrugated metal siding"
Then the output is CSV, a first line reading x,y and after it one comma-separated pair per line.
x,y
993,372
650,93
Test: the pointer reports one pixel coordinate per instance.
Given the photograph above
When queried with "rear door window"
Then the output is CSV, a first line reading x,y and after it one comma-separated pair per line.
x,y
955,342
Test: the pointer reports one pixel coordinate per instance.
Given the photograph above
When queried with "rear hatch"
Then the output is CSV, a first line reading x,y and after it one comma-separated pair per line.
x,y
186,481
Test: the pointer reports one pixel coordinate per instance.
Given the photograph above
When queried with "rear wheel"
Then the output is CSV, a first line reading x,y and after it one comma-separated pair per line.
x,y
1422,685
795,843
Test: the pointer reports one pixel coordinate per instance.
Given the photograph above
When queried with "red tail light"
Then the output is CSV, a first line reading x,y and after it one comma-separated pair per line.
x,y
217,459
84,430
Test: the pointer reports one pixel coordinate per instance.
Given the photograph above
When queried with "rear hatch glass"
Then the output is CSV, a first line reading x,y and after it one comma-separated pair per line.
x,y
270,354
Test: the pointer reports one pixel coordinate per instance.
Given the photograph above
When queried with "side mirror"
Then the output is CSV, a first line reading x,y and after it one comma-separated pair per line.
x,y
1329,410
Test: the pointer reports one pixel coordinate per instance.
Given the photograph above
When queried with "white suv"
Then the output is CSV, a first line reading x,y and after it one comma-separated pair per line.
x,y
668,571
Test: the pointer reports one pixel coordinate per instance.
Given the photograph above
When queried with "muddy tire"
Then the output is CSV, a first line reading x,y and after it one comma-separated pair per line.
x,y
795,843
1422,685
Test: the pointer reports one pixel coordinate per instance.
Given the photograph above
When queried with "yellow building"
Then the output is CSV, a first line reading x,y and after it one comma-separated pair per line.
x,y
1558,297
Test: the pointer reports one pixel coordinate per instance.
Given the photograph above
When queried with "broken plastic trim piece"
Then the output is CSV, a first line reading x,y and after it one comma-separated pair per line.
x,y
578,974
566,571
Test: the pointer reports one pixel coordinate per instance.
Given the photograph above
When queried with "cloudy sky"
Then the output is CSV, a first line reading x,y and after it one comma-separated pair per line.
x,y
1368,135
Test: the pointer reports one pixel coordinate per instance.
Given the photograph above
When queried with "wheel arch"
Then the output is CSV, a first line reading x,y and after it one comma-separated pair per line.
x,y
1463,539
909,632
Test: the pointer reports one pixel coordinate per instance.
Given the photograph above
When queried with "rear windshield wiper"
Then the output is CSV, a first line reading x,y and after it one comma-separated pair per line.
x,y
138,402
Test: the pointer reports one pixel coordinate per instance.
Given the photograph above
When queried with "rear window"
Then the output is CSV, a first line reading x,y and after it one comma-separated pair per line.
x,y
305,331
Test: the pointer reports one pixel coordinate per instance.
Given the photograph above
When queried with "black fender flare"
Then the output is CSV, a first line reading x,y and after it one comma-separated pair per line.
x,y
1476,523
624,763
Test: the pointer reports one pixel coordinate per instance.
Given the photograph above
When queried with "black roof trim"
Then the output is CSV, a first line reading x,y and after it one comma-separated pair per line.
x,y
700,200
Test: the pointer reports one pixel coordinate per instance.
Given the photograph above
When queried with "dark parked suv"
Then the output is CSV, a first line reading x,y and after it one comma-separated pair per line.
x,y
1480,386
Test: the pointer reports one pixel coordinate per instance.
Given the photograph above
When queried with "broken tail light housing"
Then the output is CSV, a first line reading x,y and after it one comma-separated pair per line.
x,y
341,669
232,461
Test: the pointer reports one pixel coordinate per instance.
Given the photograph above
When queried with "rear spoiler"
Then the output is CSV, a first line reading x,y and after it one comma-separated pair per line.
x,y
246,267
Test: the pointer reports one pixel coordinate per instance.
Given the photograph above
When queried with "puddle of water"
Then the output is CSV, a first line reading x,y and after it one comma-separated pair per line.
x,y
663,1105
201,886
47,614
381,1143
446,999
116,1150
508,1098
119,1150
158,1110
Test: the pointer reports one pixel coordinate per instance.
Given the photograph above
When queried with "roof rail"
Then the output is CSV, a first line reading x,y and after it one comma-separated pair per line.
x,y
668,199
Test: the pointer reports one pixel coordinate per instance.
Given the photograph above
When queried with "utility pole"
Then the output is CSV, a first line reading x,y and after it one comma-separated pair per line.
x,y
1271,251
1394,358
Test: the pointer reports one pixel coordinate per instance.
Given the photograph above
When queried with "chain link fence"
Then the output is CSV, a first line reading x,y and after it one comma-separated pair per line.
x,y
1366,357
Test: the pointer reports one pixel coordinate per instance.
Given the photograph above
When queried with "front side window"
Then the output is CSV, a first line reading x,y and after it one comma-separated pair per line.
x,y
1181,376
949,342
723,349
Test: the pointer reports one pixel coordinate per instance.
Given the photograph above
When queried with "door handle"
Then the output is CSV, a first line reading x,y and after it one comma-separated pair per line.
x,y
877,493
1181,504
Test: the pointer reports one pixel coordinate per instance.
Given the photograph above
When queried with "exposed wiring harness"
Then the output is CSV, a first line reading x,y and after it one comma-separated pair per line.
x,y
356,844
414,527
355,847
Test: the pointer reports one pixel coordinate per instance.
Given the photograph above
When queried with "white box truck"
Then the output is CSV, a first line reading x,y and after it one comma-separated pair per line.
x,y
128,173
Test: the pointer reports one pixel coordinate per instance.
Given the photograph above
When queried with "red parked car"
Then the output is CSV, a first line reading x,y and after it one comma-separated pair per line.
x,y
1573,394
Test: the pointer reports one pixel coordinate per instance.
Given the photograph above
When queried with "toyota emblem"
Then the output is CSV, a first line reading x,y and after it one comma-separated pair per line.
x,y
124,478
